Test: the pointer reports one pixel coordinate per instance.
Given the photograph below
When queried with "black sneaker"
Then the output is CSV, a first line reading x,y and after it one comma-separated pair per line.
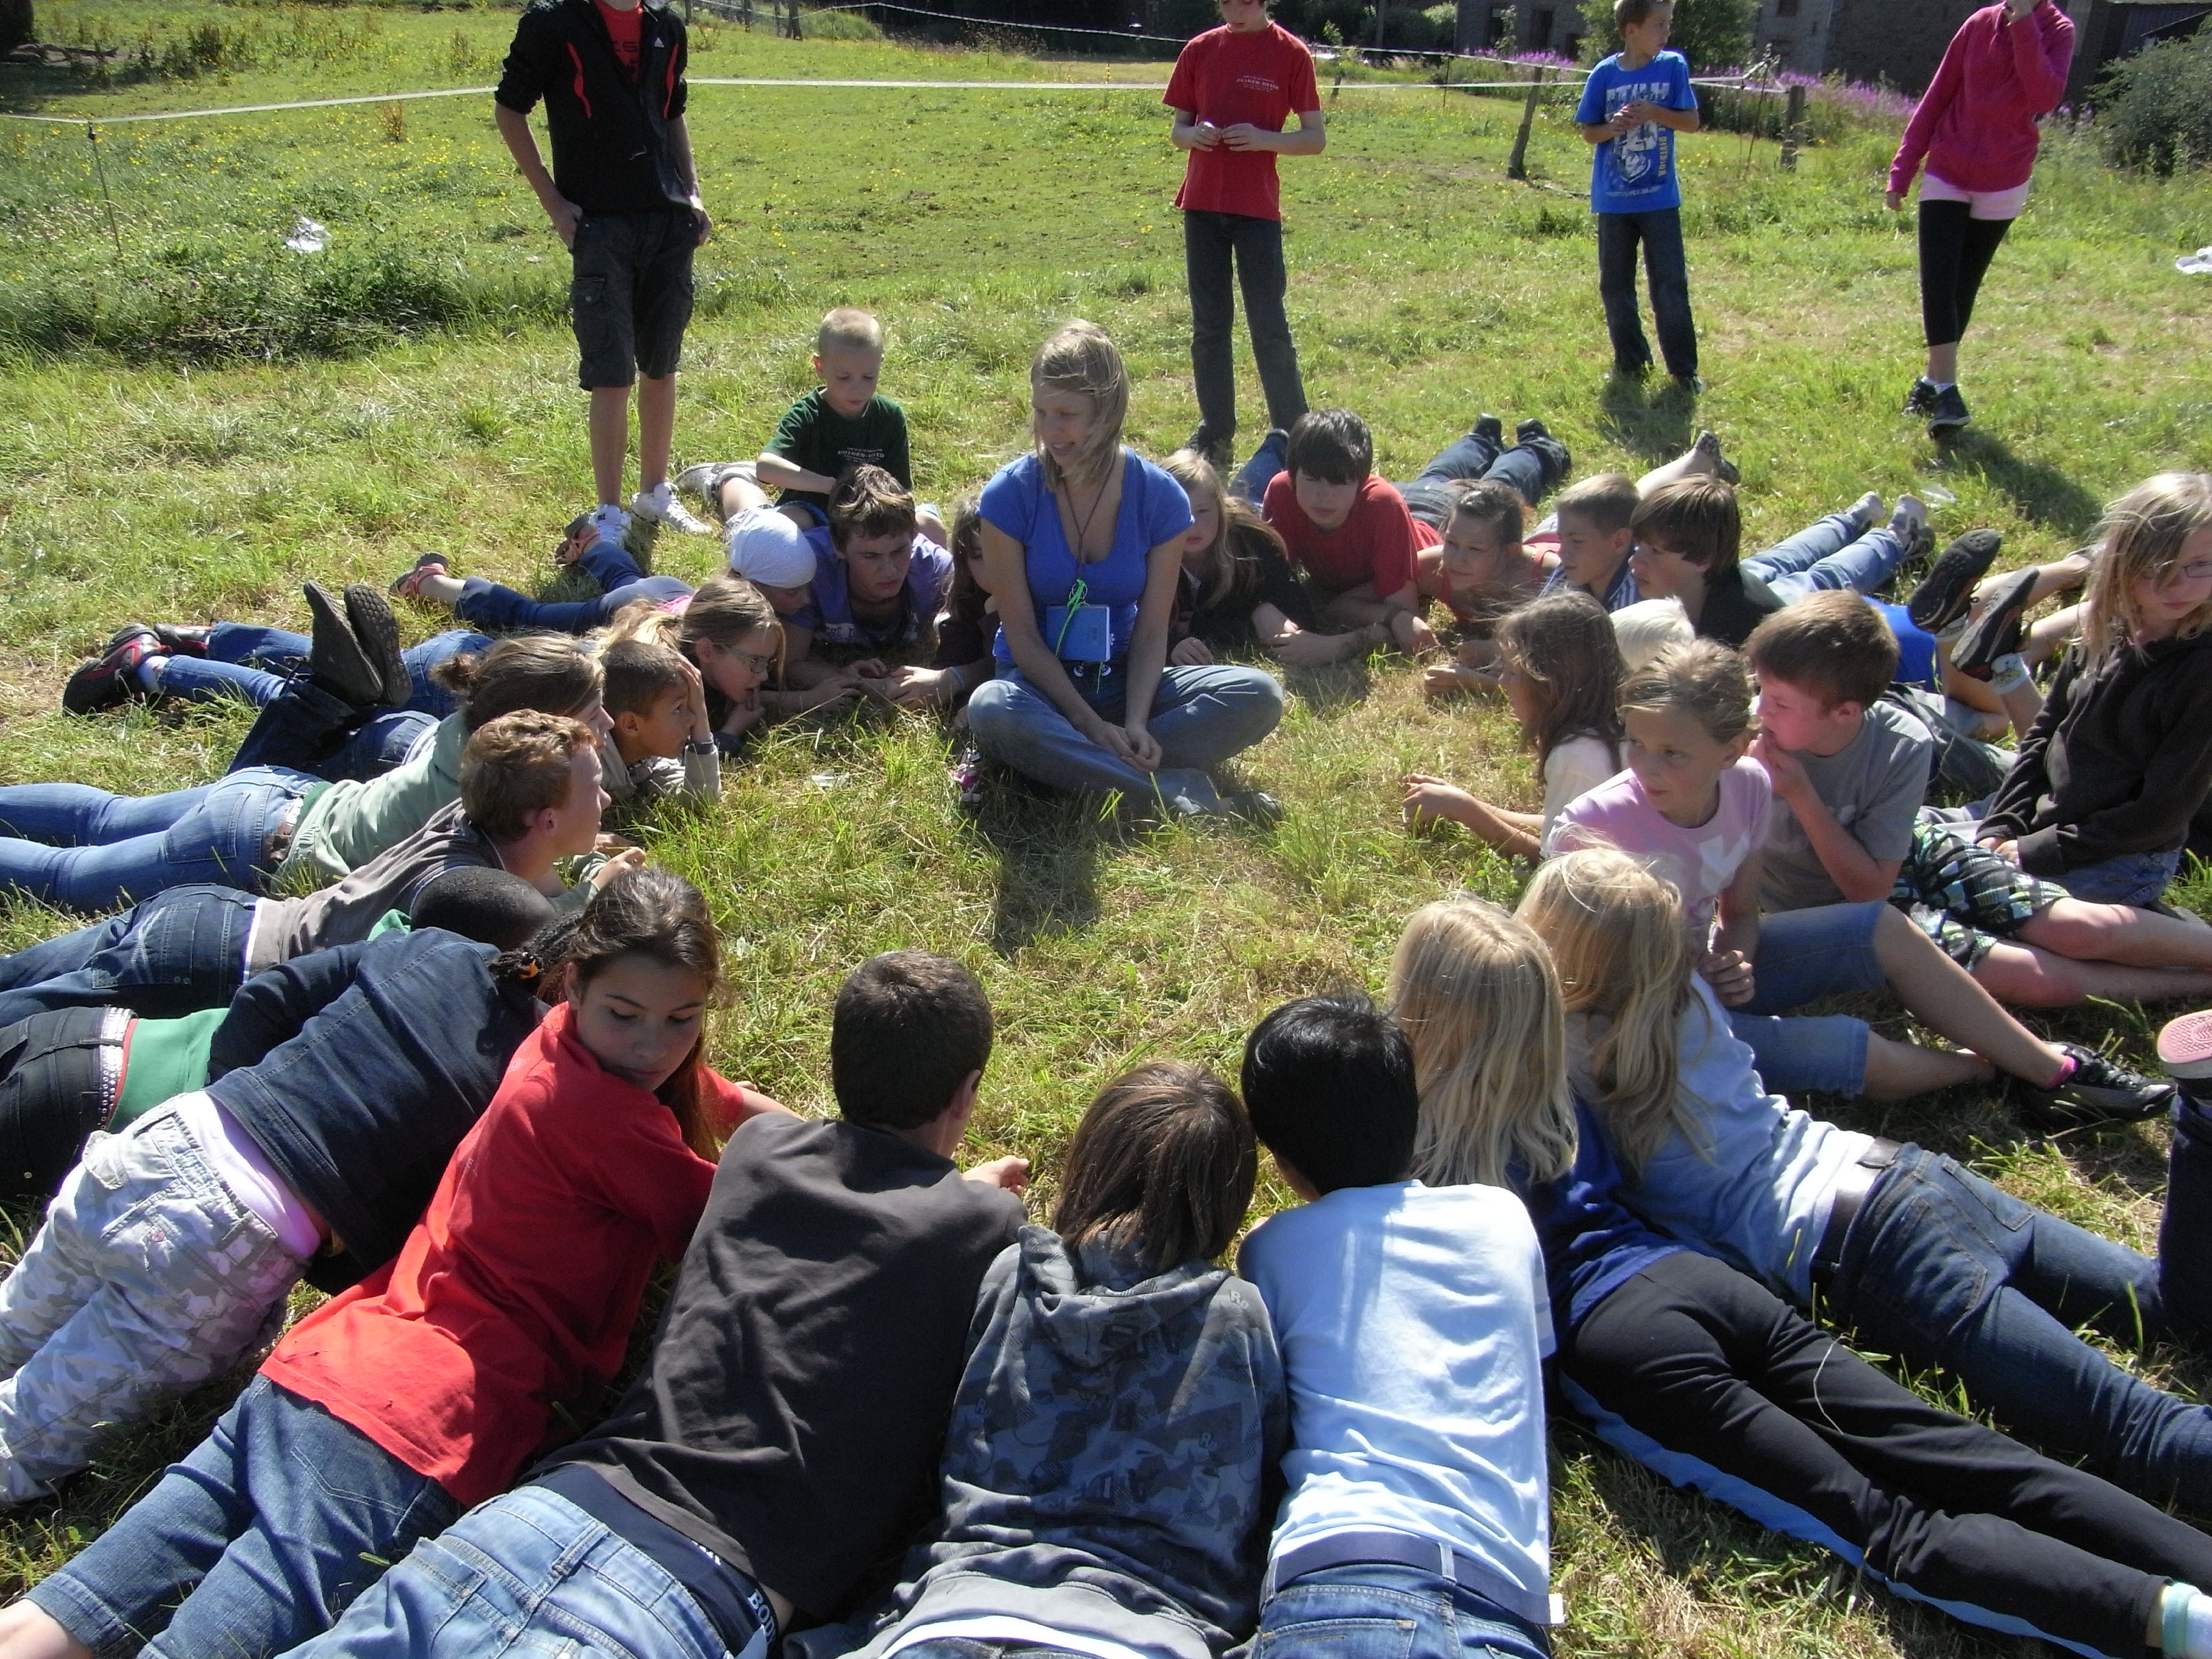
x,y
1999,629
1948,413
177,639
1218,447
377,631
336,661
966,775
2097,1091
1920,402
112,680
1253,806
1490,429
1943,594
1534,435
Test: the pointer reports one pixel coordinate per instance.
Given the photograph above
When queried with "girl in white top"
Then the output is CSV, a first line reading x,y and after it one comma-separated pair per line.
x,y
1560,669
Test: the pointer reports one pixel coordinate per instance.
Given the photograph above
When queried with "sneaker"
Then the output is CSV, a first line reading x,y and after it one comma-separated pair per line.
x,y
1624,370
1920,402
1558,462
1709,443
658,505
705,479
611,524
1686,387
112,680
966,774
377,631
1948,414
1909,524
1944,594
2185,1047
1998,630
1253,806
1490,429
336,661
409,585
1218,447
176,639
2097,1091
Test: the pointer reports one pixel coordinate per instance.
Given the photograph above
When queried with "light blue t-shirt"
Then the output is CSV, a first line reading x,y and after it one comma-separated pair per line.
x,y
1635,173
1414,1322
1758,1193
1154,509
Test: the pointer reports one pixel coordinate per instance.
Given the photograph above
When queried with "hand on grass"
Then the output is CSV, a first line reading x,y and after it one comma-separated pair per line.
x,y
1428,799
1301,647
909,687
1729,972
1010,1175
1191,653
1413,635
1445,679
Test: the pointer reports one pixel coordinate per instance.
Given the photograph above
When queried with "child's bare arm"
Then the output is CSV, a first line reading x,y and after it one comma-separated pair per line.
x,y
1309,137
1727,967
777,472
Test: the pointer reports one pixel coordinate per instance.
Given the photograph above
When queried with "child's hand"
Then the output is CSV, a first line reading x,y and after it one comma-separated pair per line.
x,y
1008,1175
620,865
868,668
1446,680
566,216
1896,200
1729,972
1635,113
1205,135
2007,850
1413,635
1191,653
695,693
1428,799
1144,751
1304,648
1245,136
605,843
1783,768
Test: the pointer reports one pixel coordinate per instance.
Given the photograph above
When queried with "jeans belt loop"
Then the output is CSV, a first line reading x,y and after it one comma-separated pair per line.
x,y
1382,1546
1864,1176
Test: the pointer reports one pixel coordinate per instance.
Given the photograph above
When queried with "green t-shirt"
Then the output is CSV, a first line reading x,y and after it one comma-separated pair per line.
x,y
815,436
161,1060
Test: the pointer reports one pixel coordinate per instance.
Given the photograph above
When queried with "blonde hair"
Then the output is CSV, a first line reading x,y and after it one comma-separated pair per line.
x,y
1079,358
2142,539
848,329
1644,629
1622,952
1702,679
1473,989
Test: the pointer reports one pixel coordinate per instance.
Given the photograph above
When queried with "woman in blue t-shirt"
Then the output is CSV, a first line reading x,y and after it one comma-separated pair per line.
x,y
1083,549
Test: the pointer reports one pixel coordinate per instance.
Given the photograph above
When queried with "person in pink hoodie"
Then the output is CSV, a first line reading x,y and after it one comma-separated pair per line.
x,y
1977,128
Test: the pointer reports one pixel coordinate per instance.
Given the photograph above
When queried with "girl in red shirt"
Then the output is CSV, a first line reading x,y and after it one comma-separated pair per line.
x,y
428,1386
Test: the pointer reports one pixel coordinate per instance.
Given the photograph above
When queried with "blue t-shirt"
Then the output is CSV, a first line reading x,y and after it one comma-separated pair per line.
x,y
1592,1245
1917,663
828,613
1154,509
1635,173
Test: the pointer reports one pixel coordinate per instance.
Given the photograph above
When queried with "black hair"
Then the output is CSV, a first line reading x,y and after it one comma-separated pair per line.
x,y
1332,444
1328,1082
907,1028
487,905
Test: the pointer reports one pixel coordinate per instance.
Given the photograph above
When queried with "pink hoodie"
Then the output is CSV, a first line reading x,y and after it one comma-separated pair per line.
x,y
1975,125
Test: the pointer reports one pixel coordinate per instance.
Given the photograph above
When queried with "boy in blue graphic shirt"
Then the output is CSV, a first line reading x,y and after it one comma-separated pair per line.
x,y
1634,104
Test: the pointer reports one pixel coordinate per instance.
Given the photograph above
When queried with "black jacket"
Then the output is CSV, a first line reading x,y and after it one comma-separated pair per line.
x,y
610,148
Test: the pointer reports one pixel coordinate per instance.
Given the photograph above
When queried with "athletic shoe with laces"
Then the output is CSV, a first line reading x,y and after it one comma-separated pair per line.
x,y
967,776
178,639
2097,1091
1218,447
377,631
2185,1047
705,479
1948,413
1944,594
659,505
112,680
610,523
1920,402
1998,632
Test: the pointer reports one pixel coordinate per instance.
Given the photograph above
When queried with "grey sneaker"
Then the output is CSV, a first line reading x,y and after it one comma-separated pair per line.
x,y
2097,1091
1948,414
705,479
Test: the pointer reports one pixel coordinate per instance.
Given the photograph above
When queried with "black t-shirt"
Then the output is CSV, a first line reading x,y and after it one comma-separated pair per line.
x,y
791,1415
1734,605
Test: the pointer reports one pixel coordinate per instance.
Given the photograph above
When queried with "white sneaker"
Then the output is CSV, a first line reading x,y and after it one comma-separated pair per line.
x,y
659,505
1868,509
609,524
704,479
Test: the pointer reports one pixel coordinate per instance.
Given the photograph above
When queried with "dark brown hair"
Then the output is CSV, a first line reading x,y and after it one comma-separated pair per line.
x,y
907,1028
1163,1161
870,503
550,672
1695,518
1332,444
1494,502
1835,645
656,915
639,675
1564,643
517,766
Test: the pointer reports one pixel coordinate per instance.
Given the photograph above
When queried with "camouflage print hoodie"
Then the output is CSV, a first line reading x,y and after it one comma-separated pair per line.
x,y
1110,1465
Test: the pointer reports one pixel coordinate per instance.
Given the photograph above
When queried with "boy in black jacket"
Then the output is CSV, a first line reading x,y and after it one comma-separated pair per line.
x,y
624,197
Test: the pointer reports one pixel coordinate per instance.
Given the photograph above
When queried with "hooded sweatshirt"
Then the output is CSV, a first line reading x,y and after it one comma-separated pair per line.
x,y
1104,1466
1976,125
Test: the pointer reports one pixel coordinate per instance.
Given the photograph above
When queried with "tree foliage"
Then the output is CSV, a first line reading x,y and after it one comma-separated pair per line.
x,y
1713,34
2155,109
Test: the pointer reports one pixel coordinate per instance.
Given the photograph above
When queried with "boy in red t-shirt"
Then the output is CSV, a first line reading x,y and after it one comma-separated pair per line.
x,y
1232,90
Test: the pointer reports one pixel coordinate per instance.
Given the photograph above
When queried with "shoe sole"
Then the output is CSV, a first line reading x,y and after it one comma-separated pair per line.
x,y
1945,428
1997,629
377,632
359,681
1943,594
2185,1047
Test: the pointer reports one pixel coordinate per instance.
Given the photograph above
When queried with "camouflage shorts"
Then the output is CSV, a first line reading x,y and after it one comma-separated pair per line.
x,y
1962,895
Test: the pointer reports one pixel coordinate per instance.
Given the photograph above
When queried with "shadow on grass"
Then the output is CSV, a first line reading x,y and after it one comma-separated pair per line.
x,y
1331,690
2040,494
1048,848
1651,422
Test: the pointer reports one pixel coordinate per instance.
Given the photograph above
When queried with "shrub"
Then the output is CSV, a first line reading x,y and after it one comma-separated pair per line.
x,y
15,24
2155,109
837,25
1710,34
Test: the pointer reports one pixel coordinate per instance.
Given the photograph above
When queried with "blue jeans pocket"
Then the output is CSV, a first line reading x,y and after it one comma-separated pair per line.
x,y
1367,1638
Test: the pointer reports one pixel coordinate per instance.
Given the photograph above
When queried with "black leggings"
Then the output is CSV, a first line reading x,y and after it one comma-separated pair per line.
x,y
1955,251
1708,1377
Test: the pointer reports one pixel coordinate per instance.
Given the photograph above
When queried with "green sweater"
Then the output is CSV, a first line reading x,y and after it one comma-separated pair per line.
x,y
347,824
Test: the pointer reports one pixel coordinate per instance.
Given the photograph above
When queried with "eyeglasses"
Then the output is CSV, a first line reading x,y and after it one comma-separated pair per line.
x,y
753,663
2196,570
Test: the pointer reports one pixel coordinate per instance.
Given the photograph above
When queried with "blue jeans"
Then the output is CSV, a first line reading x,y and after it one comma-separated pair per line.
x,y
1430,500
83,848
1373,1610
1804,955
272,1524
1253,477
1213,243
254,664
176,953
1201,716
529,1564
1667,271
2131,878
1831,553
503,610
305,728
1945,1269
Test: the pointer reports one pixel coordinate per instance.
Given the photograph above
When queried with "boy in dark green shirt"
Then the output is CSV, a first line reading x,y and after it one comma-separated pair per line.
x,y
842,423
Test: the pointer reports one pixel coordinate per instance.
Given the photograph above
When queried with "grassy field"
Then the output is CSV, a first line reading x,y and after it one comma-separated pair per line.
x,y
196,419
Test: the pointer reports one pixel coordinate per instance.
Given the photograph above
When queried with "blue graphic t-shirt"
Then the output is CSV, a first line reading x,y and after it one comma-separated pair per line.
x,y
1635,173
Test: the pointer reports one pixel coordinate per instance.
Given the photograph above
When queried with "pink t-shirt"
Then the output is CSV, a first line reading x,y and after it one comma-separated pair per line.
x,y
1700,861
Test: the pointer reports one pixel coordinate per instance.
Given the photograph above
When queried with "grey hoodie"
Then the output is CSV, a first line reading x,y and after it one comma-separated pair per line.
x,y
1104,1465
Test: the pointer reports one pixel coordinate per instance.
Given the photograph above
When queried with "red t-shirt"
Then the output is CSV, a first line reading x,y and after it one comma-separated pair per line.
x,y
517,1289
1376,543
624,26
1264,77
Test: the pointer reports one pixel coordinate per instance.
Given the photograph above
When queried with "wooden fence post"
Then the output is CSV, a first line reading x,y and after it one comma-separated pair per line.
x,y
1793,127
1517,166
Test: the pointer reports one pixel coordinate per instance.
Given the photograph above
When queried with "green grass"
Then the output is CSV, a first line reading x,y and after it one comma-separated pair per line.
x,y
227,435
